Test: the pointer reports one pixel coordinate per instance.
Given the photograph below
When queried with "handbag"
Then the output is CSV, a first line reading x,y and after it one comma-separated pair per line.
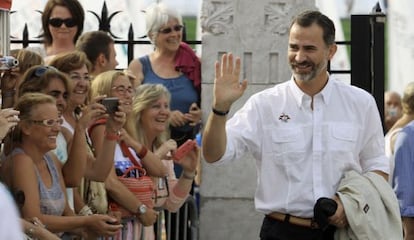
x,y
94,195
140,185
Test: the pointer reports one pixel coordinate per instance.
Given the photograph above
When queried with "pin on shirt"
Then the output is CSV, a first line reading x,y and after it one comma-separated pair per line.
x,y
284,117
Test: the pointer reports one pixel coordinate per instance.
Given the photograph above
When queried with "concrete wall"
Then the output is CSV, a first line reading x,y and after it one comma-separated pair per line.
x,y
257,31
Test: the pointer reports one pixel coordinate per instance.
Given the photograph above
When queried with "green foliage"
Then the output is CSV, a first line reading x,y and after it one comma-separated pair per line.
x,y
346,26
190,27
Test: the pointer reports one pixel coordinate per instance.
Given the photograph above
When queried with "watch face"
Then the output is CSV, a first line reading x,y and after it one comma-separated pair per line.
x,y
142,209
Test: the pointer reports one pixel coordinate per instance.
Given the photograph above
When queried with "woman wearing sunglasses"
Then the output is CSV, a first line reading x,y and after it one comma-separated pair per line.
x,y
174,65
62,23
40,193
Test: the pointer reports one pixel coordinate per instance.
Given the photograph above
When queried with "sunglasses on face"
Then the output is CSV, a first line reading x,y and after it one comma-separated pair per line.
x,y
57,22
41,70
48,122
176,28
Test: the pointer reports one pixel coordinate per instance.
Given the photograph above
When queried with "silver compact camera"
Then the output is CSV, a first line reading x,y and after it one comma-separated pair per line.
x,y
8,62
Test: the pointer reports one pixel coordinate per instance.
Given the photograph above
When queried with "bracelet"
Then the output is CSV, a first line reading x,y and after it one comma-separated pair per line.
x,y
189,177
112,136
220,113
8,93
142,153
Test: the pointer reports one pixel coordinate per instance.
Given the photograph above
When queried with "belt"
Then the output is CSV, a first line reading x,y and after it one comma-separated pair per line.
x,y
303,222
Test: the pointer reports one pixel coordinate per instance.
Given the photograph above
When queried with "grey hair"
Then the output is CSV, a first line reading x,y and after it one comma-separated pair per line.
x,y
156,16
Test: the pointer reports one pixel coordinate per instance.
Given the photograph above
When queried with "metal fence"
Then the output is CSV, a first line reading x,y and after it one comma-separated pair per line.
x,y
104,20
186,229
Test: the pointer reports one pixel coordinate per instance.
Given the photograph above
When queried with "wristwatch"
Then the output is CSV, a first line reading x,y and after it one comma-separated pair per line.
x,y
142,209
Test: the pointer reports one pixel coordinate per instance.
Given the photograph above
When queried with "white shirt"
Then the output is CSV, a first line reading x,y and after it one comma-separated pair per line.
x,y
389,151
10,226
301,154
67,125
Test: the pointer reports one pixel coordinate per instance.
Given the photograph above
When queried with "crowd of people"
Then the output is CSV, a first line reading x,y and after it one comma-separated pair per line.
x,y
59,134
325,170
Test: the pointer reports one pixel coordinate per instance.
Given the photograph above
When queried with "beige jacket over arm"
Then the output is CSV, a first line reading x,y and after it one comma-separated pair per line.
x,y
371,208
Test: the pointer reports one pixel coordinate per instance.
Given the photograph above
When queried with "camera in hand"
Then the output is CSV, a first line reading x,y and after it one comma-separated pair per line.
x,y
8,62
184,149
111,104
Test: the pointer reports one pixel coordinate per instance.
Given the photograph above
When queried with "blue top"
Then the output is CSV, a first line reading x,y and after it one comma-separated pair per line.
x,y
182,90
403,179
52,200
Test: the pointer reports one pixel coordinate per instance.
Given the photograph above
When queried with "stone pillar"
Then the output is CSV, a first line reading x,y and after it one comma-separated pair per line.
x,y
257,31
4,32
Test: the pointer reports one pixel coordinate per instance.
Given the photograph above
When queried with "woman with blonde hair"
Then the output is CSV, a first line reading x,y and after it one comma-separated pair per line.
x,y
149,124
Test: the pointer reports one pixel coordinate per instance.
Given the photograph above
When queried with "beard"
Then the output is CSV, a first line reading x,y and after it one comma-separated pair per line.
x,y
307,77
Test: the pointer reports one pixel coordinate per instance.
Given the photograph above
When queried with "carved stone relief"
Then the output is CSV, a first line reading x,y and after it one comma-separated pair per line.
x,y
276,14
217,17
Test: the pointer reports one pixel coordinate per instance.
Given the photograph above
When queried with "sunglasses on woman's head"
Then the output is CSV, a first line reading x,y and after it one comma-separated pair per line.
x,y
176,28
39,71
57,22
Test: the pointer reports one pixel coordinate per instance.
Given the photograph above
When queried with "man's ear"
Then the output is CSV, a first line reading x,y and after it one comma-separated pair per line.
x,y
101,61
332,50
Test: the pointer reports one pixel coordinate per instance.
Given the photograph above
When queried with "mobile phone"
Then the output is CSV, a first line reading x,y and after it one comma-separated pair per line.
x,y
111,104
184,149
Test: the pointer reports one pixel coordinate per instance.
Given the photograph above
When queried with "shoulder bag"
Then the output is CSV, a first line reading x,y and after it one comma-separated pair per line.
x,y
140,185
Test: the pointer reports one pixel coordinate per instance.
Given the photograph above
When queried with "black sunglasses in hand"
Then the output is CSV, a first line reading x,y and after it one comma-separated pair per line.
x,y
57,22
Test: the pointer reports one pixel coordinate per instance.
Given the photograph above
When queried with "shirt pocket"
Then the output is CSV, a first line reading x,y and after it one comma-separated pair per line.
x,y
343,137
288,145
